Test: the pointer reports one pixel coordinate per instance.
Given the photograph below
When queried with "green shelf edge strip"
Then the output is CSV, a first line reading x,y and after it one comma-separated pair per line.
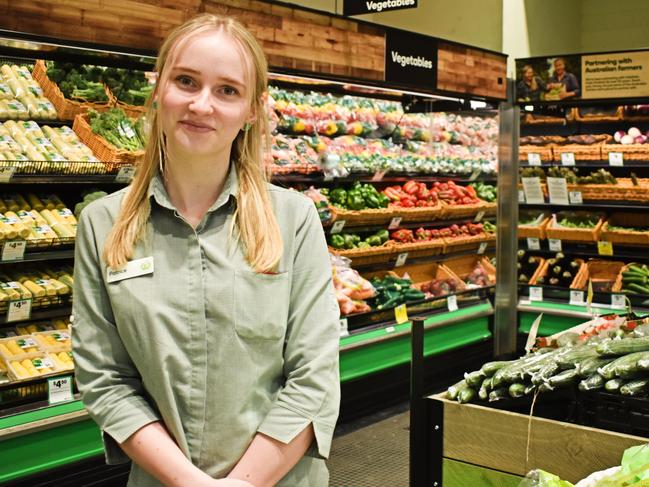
x,y
460,474
38,414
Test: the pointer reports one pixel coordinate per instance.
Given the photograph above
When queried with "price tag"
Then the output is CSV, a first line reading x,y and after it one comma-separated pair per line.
x,y
13,250
558,190
604,248
533,190
328,176
533,243
577,297
615,159
344,330
521,196
536,294
390,329
401,314
338,226
555,245
394,223
125,174
575,198
19,310
534,159
451,302
6,173
401,259
567,159
475,175
618,301
378,175
482,248
59,389
478,218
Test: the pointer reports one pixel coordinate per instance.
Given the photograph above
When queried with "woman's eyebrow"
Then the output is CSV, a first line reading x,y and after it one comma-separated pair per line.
x,y
225,78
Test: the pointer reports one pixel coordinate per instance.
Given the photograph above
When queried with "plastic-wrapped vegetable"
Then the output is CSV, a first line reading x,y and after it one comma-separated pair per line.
x,y
351,289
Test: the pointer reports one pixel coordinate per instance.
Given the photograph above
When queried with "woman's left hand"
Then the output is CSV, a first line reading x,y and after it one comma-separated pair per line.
x,y
232,483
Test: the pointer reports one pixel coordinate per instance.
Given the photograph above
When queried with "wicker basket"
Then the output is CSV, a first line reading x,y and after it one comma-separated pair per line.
x,y
132,111
422,214
553,230
433,271
617,287
602,273
629,115
379,216
543,269
471,242
66,109
424,248
591,152
599,114
630,152
624,190
293,169
368,255
531,119
544,152
490,209
534,231
625,237
461,211
103,150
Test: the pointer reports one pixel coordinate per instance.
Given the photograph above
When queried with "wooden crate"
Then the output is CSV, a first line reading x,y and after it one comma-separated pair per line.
x,y
534,231
421,273
498,440
463,266
602,273
625,237
553,230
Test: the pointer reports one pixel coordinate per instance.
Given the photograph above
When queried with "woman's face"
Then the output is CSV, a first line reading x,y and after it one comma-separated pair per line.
x,y
205,100
559,67
528,74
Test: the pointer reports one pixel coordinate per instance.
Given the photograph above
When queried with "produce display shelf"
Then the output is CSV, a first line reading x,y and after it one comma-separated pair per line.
x,y
592,164
42,314
434,223
64,179
602,205
363,322
390,178
624,252
600,299
43,256
389,265
40,122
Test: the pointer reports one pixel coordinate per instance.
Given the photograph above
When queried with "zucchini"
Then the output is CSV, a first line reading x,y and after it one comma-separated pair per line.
x,y
474,379
490,368
592,383
455,389
589,366
563,379
613,385
498,394
636,387
517,390
466,395
624,346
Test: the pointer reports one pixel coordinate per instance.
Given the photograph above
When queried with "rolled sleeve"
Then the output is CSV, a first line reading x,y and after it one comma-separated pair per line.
x,y
311,393
110,385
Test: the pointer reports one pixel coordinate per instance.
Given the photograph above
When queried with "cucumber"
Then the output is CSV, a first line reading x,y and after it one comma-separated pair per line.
x,y
486,384
483,394
563,379
608,371
613,385
474,379
455,389
592,383
517,390
589,366
628,369
544,373
466,395
569,358
498,394
638,387
624,346
490,368
637,288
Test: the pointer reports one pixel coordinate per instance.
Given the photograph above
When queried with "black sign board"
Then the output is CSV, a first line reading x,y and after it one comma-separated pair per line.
x,y
357,7
410,59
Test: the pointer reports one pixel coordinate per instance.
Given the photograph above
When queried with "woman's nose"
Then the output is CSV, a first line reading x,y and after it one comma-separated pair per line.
x,y
201,102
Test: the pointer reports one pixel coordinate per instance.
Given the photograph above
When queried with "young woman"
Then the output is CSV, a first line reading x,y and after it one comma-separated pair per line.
x,y
205,323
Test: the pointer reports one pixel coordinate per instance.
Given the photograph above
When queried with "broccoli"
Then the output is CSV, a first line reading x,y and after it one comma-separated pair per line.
x,y
116,128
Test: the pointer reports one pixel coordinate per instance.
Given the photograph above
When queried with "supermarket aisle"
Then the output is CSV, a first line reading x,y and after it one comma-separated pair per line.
x,y
374,454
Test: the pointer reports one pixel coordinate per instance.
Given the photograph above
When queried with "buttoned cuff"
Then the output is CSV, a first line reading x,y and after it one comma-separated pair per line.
x,y
129,415
283,423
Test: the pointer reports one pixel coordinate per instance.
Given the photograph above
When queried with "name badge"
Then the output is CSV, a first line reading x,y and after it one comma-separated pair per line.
x,y
134,268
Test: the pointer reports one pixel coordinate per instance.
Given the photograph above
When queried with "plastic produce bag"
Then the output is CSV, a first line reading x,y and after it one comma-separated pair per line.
x,y
351,289
541,478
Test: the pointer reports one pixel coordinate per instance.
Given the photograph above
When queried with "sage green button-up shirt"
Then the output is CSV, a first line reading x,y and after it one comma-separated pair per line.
x,y
212,349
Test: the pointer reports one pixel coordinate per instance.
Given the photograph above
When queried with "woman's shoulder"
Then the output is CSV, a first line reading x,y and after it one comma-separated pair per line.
x,y
288,198
105,209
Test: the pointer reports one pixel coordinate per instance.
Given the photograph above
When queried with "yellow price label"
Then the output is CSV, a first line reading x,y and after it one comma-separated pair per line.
x,y
401,314
604,248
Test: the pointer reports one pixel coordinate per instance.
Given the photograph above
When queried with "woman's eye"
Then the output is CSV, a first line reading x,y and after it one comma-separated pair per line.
x,y
185,81
229,90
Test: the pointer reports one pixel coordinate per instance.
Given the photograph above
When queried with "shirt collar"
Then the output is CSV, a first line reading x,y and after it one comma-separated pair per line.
x,y
159,193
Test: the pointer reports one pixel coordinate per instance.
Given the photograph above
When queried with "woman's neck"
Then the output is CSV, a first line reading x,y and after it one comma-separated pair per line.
x,y
194,184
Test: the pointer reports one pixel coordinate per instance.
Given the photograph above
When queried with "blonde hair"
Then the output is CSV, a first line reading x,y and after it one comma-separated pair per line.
x,y
254,225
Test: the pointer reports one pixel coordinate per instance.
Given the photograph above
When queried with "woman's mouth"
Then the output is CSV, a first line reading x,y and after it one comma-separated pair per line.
x,y
195,126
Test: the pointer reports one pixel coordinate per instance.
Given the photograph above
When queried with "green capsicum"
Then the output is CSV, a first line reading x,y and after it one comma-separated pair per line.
x,y
337,241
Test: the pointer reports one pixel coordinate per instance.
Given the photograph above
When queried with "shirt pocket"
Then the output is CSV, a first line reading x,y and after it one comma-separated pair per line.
x,y
261,303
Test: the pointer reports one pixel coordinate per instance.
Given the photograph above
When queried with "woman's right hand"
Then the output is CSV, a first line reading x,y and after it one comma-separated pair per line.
x,y
232,483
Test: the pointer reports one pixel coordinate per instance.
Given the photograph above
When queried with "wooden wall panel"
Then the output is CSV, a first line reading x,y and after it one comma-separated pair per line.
x,y
465,70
